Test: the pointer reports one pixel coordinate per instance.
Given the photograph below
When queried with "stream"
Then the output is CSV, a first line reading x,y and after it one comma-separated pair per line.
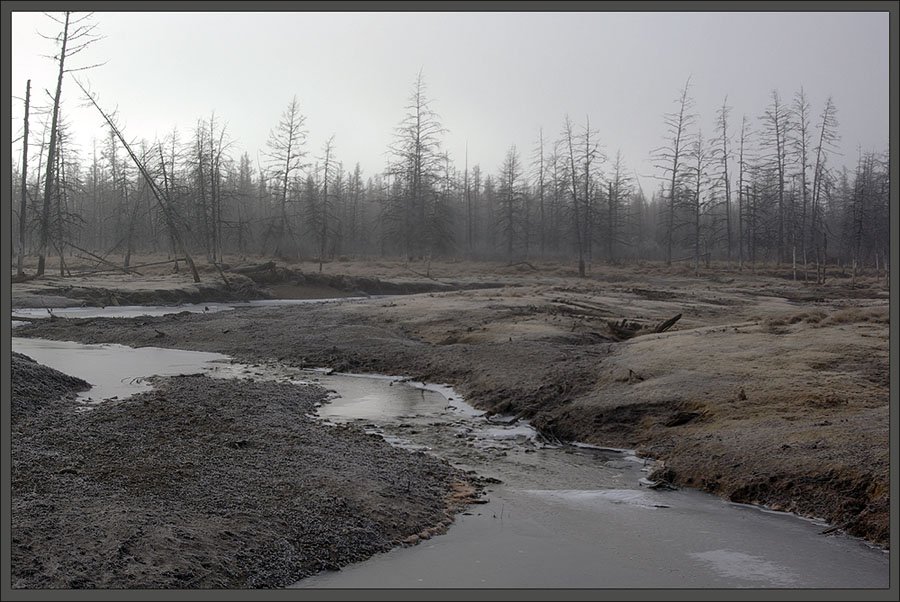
x,y
556,515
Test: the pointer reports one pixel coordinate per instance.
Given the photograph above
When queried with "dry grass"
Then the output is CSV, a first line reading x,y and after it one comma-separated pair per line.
x,y
873,315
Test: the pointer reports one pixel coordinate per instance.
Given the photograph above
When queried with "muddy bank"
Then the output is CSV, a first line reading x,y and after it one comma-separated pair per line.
x,y
34,385
54,292
765,391
285,281
248,283
206,483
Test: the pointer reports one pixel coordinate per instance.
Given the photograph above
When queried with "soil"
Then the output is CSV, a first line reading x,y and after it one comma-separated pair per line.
x,y
34,385
206,483
239,281
766,391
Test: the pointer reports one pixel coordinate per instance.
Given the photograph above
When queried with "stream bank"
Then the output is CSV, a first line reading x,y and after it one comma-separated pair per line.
x,y
207,483
767,391
555,515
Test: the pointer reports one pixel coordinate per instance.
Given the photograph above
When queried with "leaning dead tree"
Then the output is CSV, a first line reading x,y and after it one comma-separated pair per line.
x,y
161,198
626,329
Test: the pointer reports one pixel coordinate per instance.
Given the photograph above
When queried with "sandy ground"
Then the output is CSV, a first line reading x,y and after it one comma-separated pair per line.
x,y
205,483
766,391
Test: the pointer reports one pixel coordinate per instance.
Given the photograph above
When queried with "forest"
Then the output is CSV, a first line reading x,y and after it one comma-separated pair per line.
x,y
757,189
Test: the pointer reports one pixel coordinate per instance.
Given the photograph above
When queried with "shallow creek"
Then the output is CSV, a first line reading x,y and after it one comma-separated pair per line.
x,y
556,515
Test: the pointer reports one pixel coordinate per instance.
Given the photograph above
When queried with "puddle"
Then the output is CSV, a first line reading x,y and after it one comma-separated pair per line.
x,y
115,371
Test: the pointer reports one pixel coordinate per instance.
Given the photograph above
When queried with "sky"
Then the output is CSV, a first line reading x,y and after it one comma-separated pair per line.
x,y
495,79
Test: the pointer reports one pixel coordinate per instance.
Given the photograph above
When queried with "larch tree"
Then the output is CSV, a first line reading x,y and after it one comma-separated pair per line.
x,y
722,153
416,160
539,166
77,34
574,190
776,127
217,146
670,157
696,201
827,139
743,154
801,148
619,191
509,202
328,175
592,190
467,199
475,202
355,192
285,153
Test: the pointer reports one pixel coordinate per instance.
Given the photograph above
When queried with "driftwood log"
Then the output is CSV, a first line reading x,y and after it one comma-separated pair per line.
x,y
626,329
666,325
252,269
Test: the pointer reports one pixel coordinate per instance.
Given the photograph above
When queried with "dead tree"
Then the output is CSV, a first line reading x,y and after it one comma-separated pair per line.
x,y
723,155
828,137
76,35
669,158
51,155
23,205
285,152
776,128
540,176
508,216
619,187
695,203
742,168
576,213
326,177
161,198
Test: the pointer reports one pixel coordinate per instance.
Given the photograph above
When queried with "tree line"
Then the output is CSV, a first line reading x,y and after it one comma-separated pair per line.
x,y
766,188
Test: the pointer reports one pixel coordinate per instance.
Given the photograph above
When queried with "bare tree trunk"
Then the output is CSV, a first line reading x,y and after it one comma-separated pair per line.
x,y
613,199
23,205
468,198
324,232
740,215
697,223
724,129
676,127
577,214
51,155
129,240
58,244
794,259
541,190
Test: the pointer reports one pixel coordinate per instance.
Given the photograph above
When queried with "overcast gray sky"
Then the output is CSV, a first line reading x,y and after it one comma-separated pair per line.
x,y
494,78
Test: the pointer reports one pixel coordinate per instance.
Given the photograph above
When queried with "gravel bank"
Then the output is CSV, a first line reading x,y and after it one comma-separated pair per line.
x,y
205,483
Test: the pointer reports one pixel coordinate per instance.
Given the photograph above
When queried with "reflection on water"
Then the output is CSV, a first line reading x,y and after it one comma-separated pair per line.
x,y
134,311
114,370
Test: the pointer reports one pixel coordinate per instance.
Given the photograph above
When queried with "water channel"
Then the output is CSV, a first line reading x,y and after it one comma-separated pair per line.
x,y
556,515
